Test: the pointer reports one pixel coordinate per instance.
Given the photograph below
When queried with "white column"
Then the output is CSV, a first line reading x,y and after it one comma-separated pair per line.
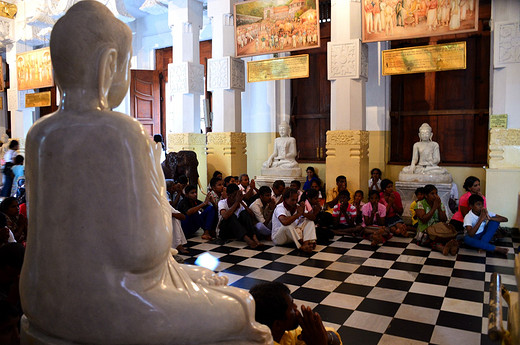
x,y
225,73
185,73
347,67
21,118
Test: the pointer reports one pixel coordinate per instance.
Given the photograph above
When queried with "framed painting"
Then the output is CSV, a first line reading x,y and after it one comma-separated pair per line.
x,y
34,69
275,26
385,20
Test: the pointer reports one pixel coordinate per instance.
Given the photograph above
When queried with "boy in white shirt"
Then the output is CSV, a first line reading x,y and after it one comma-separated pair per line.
x,y
289,225
480,225
263,208
235,219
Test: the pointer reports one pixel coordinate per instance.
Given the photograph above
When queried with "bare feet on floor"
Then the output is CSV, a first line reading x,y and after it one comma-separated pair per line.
x,y
182,249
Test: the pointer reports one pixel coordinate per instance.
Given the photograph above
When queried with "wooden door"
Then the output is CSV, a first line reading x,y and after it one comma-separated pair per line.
x,y
145,100
310,106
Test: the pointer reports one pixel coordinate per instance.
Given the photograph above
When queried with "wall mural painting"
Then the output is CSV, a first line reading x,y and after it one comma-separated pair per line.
x,y
385,20
34,69
274,26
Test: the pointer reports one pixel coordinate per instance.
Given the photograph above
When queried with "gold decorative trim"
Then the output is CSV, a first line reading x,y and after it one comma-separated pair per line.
x,y
183,139
347,137
226,138
504,137
8,10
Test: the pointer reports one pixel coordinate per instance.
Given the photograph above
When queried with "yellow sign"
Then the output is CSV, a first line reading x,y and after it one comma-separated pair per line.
x,y
34,69
1,103
290,67
439,57
42,99
498,121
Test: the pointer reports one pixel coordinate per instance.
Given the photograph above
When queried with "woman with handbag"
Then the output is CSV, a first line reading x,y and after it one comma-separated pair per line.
x,y
431,214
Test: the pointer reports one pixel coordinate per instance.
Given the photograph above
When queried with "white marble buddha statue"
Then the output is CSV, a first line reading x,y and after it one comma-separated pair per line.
x,y
283,160
425,159
98,267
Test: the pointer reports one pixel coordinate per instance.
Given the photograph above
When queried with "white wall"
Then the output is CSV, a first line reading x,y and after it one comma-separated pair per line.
x,y
505,81
377,90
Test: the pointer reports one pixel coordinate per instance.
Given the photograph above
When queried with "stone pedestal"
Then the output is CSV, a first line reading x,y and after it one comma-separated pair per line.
x,y
227,153
268,180
192,142
296,173
347,154
407,192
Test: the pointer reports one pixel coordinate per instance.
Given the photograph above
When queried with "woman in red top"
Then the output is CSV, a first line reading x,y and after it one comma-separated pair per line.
x,y
472,186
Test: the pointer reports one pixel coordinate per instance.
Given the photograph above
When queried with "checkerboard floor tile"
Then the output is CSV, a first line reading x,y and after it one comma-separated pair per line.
x,y
398,293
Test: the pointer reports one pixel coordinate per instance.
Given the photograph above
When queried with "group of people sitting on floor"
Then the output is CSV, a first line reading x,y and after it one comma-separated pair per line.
x,y
234,208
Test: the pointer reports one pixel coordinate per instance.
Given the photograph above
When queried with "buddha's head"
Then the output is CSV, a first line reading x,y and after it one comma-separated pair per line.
x,y
425,132
284,129
86,38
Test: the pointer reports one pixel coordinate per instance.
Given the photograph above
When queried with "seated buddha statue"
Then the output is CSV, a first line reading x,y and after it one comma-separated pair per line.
x,y
98,267
283,160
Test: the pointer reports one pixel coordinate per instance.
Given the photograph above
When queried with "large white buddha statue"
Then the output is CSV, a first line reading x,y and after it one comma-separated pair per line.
x,y
98,267
425,159
283,160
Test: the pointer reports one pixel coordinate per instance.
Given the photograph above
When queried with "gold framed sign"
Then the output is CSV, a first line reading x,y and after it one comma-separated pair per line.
x,y
34,69
290,67
433,58
274,26
41,99
385,20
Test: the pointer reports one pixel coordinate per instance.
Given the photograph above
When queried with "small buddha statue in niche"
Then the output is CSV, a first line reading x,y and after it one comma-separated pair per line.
x,y
425,159
98,267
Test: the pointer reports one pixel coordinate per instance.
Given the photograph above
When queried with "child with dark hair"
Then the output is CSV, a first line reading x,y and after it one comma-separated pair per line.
x,y
263,208
198,214
419,195
480,225
217,190
295,184
344,215
431,215
472,187
289,225
275,308
16,222
374,214
333,194
236,219
358,204
394,208
374,183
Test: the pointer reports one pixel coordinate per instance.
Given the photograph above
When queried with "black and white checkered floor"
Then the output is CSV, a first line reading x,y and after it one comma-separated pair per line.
x,y
399,293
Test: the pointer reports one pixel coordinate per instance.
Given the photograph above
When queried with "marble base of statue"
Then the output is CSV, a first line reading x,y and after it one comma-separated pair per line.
x,y
425,175
286,172
407,191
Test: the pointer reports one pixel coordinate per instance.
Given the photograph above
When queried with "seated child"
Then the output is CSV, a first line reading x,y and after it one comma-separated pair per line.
x,y
431,216
374,214
316,185
217,190
235,219
248,189
333,194
419,194
263,208
344,215
394,208
480,225
358,204
198,214
289,225
295,184
275,308
19,173
374,183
